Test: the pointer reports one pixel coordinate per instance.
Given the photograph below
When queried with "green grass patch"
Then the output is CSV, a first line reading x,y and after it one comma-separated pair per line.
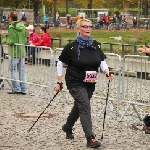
x,y
128,37
137,37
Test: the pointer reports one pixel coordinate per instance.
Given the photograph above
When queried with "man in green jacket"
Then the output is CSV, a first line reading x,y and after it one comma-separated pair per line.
x,y
16,51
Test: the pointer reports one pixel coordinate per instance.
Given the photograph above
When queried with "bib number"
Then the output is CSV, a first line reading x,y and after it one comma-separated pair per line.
x,y
90,76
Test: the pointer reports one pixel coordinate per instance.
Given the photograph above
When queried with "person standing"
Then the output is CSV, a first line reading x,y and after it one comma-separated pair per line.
x,y
107,21
83,58
57,16
78,17
120,20
16,34
46,19
33,38
134,22
23,16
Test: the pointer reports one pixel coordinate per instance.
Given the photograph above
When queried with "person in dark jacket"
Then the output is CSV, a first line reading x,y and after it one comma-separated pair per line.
x,y
83,58
1,58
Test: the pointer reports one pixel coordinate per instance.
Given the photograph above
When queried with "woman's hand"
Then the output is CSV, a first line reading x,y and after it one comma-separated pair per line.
x,y
109,75
58,87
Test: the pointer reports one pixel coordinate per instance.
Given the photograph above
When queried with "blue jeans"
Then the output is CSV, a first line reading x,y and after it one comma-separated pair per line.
x,y
17,72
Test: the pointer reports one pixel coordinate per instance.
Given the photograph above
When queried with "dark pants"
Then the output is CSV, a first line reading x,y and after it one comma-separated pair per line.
x,y
81,108
31,51
1,57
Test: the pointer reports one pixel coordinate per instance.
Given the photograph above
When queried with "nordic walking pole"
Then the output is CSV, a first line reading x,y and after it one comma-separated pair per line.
x,y
105,108
43,111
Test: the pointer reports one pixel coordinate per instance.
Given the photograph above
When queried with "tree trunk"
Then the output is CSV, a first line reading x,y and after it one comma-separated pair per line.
x,y
35,8
55,3
90,4
90,7
66,6
145,8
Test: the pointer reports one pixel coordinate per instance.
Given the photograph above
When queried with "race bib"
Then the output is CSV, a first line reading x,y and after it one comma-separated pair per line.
x,y
90,76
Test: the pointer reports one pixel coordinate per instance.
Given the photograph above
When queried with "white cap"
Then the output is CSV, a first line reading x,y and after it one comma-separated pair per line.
x,y
30,27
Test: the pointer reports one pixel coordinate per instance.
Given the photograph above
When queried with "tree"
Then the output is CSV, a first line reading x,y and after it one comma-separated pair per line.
x,y
35,8
145,7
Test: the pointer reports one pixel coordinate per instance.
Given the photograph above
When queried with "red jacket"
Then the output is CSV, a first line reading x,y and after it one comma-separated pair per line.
x,y
34,38
107,19
45,40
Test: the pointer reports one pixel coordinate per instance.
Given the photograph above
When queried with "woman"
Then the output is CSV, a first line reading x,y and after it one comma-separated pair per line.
x,y
45,39
33,38
81,74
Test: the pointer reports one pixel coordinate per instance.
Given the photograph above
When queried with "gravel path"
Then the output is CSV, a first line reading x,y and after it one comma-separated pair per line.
x,y
19,112
47,133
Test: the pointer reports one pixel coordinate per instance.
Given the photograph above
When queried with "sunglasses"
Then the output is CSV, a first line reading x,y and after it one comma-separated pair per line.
x,y
86,27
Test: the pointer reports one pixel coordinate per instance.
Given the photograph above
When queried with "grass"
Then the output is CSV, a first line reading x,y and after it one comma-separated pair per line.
x,y
137,37
128,37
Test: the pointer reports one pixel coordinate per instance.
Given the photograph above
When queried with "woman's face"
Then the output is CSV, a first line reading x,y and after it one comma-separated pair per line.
x,y
85,29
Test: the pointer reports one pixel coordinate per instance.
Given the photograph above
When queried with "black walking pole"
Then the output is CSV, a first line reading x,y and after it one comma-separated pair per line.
x,y
105,109
43,111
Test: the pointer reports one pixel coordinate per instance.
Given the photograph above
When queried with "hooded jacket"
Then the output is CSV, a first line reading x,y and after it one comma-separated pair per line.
x,y
45,40
16,34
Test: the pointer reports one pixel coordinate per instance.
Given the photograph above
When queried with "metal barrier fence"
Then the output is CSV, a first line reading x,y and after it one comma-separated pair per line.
x,y
19,112
114,62
38,70
135,84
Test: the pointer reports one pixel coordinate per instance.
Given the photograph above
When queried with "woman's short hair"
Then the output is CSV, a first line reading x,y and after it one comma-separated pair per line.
x,y
13,16
79,22
43,29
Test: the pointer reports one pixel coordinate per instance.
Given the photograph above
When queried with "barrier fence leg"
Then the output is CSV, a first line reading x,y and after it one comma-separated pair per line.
x,y
114,107
133,105
38,93
137,112
124,113
65,97
48,93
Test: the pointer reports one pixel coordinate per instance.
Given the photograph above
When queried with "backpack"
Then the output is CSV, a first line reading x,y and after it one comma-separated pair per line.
x,y
146,120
